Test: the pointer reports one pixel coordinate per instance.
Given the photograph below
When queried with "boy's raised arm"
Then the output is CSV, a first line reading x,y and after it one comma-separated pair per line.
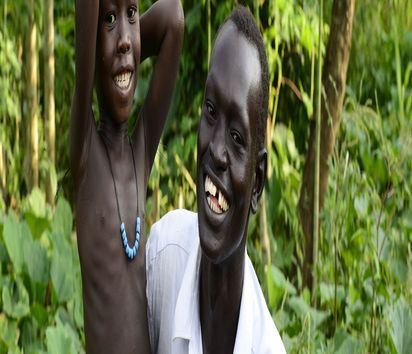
x,y
87,15
161,29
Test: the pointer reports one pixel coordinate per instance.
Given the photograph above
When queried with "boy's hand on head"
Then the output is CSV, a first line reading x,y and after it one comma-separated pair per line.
x,y
161,29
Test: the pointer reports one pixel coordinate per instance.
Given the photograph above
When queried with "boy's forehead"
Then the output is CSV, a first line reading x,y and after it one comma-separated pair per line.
x,y
118,2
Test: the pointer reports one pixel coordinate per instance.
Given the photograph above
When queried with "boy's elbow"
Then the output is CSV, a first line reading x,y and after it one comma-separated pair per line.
x,y
178,20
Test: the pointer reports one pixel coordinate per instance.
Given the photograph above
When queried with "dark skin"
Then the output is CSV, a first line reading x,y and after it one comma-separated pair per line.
x,y
229,156
111,41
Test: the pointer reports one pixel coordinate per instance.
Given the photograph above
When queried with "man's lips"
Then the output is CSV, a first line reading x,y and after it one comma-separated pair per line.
x,y
216,201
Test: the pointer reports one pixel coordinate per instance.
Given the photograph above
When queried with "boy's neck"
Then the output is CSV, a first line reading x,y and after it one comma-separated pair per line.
x,y
115,134
221,287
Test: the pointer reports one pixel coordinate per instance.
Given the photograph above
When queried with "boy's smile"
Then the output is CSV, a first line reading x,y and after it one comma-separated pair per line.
x,y
122,80
227,145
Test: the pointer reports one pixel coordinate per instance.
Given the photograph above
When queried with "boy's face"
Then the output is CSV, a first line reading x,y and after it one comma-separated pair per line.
x,y
227,153
117,57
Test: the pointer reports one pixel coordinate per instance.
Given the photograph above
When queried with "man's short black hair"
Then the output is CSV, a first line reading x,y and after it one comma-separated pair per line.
x,y
246,24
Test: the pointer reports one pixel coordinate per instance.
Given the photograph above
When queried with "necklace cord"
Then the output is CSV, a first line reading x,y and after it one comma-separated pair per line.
x,y
114,182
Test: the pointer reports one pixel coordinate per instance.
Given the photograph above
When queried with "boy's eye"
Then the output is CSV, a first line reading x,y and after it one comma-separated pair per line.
x,y
110,18
131,11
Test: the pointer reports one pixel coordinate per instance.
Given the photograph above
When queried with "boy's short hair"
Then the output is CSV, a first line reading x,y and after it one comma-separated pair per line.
x,y
246,24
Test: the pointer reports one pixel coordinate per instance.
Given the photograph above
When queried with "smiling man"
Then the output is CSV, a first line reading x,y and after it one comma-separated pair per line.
x,y
203,293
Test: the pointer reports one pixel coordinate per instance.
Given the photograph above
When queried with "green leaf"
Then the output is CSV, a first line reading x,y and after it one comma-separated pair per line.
x,y
62,273
63,219
62,339
9,333
15,299
37,264
39,312
37,224
36,203
361,206
400,318
302,309
345,343
13,241
58,341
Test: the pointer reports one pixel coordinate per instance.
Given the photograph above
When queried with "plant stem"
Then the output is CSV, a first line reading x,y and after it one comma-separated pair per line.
x,y
317,159
209,32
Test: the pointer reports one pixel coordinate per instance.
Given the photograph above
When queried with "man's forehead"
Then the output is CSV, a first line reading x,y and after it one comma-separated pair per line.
x,y
234,56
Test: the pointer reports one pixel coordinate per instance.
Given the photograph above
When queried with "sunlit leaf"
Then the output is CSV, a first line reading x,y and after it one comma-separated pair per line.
x,y
15,299
400,317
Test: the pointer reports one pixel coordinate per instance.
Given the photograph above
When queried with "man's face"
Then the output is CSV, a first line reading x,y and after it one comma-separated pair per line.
x,y
227,145
117,57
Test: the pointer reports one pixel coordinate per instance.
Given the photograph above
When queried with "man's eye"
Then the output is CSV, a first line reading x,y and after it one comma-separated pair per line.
x,y
237,138
210,109
110,18
131,12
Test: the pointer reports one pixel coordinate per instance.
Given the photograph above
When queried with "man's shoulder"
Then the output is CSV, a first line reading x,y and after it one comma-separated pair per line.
x,y
177,228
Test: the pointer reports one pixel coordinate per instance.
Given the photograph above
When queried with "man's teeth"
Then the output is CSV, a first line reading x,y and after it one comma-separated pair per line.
x,y
222,205
122,80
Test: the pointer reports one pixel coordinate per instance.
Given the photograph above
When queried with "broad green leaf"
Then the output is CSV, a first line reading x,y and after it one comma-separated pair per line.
x,y
62,274
400,317
63,219
9,332
29,333
361,206
302,309
39,312
13,241
61,338
37,224
36,203
37,264
15,299
344,343
59,341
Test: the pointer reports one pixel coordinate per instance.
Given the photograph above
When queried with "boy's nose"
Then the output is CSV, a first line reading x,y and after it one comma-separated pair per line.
x,y
123,44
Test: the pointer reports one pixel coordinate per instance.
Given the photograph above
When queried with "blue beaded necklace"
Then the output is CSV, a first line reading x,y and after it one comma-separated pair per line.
x,y
131,252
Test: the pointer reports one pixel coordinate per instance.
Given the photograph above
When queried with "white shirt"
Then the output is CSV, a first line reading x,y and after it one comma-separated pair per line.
x,y
172,267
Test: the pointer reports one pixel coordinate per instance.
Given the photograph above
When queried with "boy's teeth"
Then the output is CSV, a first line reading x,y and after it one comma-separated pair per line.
x,y
122,80
222,204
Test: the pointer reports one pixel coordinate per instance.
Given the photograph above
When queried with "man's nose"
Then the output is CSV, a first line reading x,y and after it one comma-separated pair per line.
x,y
218,149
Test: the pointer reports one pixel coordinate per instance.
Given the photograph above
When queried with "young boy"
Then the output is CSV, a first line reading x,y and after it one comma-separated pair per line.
x,y
111,169
203,293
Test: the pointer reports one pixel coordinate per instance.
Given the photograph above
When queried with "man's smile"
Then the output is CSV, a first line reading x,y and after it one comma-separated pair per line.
x,y
123,79
215,198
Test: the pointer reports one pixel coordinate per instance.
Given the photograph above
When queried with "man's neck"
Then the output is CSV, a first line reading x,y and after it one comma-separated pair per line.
x,y
220,296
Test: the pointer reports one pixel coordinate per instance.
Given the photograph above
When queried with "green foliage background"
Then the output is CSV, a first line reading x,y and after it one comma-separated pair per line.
x,y
364,299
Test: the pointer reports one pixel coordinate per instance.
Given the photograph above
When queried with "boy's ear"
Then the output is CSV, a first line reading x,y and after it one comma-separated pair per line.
x,y
260,179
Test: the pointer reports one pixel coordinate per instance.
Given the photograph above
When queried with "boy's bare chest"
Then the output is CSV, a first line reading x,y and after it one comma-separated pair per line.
x,y
113,285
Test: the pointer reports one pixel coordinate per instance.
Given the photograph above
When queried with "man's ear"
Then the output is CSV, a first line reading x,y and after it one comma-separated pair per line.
x,y
260,179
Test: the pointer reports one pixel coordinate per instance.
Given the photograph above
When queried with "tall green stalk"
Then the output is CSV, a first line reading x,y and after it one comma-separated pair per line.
x,y
317,159
209,32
